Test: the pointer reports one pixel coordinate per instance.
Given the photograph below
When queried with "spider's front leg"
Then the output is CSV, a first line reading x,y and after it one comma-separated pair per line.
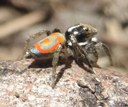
x,y
54,64
106,49
86,60
92,53
81,56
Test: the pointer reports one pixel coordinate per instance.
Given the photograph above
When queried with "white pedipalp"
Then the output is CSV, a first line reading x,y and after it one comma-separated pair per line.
x,y
83,43
69,43
94,39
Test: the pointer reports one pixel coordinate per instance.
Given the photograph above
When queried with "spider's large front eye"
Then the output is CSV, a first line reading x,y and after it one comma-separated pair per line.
x,y
75,32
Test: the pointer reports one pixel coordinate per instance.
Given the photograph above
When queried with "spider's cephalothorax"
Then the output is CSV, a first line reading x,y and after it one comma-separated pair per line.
x,y
84,36
81,32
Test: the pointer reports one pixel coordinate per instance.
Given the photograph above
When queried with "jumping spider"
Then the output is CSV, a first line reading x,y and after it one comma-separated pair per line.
x,y
75,43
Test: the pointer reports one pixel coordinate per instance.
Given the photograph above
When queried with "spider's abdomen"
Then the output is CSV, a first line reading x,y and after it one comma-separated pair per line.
x,y
49,44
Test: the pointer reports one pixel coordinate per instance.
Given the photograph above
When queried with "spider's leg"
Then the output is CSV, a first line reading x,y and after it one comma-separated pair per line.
x,y
36,36
33,37
67,61
56,30
85,59
54,64
95,53
106,49
60,74
79,52
92,54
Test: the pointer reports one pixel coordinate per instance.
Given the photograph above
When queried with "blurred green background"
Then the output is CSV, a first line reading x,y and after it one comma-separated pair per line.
x,y
21,18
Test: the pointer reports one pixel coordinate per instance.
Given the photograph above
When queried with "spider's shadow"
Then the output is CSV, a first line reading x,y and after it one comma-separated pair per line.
x,y
44,63
41,64
48,63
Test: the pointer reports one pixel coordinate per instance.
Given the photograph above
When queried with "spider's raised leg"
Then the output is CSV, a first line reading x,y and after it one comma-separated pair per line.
x,y
54,64
106,49
33,37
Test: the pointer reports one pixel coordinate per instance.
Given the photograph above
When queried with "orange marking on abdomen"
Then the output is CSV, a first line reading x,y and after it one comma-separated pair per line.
x,y
46,41
53,41
60,37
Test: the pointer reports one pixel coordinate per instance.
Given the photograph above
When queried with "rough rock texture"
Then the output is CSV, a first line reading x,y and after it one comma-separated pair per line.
x,y
21,86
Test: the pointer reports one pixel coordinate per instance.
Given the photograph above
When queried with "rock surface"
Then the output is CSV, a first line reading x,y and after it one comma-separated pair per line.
x,y
21,86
